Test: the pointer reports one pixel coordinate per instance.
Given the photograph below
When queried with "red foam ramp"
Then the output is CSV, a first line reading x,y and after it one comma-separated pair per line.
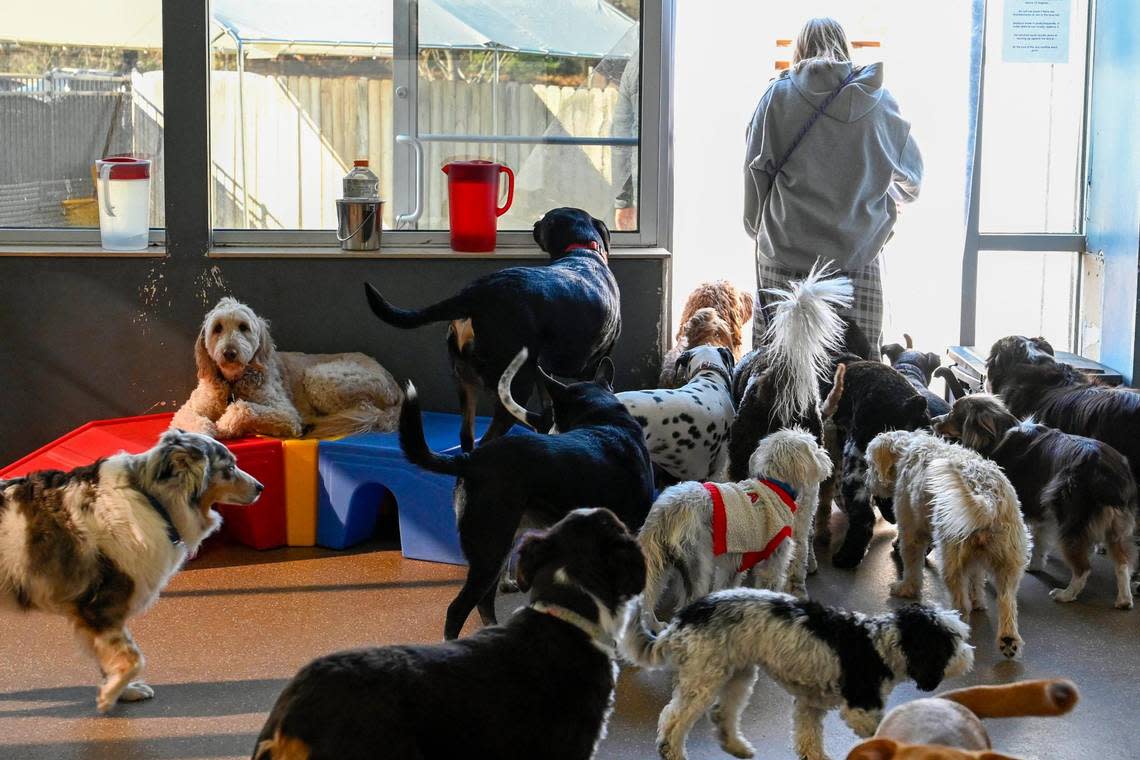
x,y
260,525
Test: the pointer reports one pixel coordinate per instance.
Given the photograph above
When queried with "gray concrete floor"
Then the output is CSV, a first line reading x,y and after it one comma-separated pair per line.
x,y
235,625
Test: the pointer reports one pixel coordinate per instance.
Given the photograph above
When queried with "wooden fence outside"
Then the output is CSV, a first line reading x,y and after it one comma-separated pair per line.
x,y
303,132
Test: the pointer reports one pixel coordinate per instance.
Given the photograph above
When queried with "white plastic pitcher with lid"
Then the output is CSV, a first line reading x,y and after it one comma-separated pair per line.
x,y
124,202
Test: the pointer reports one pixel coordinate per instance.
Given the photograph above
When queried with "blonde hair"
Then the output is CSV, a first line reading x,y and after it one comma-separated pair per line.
x,y
821,38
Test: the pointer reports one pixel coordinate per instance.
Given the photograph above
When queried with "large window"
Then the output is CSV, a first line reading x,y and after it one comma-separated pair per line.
x,y
278,98
1025,239
76,84
548,88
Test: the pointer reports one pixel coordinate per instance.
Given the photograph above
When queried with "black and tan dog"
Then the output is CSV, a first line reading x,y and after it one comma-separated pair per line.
x,y
1073,490
565,314
917,367
98,544
875,399
1030,381
541,686
598,458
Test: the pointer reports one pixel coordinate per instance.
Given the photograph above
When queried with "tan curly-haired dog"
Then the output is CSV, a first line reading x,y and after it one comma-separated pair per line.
x,y
247,387
734,308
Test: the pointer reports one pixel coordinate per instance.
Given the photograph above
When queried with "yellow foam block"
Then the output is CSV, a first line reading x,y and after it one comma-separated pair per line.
x,y
300,491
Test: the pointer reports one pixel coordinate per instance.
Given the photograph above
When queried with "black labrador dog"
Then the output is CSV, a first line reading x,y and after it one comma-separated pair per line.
x,y
566,314
598,458
540,686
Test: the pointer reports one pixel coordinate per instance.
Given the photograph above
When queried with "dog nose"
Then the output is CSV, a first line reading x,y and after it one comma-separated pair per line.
x,y
259,487
229,354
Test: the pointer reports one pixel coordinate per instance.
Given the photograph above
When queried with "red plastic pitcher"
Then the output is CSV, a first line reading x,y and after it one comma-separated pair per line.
x,y
473,196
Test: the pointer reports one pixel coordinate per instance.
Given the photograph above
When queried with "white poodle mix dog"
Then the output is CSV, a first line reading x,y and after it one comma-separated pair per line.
x,y
680,532
247,387
966,505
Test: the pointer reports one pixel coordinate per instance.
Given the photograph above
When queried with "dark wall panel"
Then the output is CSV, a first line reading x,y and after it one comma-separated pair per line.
x,y
88,338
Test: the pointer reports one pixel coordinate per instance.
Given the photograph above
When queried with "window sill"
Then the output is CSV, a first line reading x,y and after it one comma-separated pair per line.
x,y
322,252
79,251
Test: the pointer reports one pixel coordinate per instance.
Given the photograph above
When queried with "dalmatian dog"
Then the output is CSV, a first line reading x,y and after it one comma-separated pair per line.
x,y
686,429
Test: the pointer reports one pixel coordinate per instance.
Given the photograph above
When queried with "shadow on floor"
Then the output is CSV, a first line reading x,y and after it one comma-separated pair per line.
x,y
316,589
176,700
157,748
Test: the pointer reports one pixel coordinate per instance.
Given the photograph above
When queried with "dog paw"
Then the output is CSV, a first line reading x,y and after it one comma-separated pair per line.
x,y
104,702
1011,646
847,560
979,605
1123,603
738,746
798,590
812,565
1062,595
1036,566
668,752
904,590
136,691
508,586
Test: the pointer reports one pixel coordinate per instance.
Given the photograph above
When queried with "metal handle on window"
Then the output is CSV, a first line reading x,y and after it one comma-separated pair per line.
x,y
413,216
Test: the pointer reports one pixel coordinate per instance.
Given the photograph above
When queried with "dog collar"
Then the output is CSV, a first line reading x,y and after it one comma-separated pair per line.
x,y
597,634
789,493
593,245
171,529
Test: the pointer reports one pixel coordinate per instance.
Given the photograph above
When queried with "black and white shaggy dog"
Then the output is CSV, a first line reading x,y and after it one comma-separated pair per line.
x,y
598,457
918,368
565,314
875,399
826,658
98,544
1023,372
694,528
541,686
1075,491
686,429
778,386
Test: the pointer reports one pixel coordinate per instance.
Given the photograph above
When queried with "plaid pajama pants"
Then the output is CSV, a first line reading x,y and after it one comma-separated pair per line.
x,y
867,311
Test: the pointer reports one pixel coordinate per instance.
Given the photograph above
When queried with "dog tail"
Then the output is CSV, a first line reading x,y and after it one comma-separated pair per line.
x,y
414,444
455,307
1045,698
958,512
803,331
365,418
957,390
639,644
515,408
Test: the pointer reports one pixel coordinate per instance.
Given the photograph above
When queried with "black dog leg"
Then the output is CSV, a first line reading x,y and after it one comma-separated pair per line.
x,y
860,516
467,398
485,534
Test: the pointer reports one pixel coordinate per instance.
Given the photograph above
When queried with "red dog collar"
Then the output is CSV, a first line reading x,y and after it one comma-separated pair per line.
x,y
591,246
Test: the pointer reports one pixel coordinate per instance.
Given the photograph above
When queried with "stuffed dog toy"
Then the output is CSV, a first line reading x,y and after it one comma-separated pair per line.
x,y
247,387
565,314
949,726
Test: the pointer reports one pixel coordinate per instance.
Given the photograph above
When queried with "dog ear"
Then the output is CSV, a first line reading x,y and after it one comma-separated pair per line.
x,y
681,366
604,232
265,347
538,235
915,410
726,354
535,550
881,456
207,370
182,458
744,307
823,464
874,749
604,375
892,351
626,567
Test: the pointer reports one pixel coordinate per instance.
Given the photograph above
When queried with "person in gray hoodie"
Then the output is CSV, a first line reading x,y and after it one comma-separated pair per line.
x,y
827,188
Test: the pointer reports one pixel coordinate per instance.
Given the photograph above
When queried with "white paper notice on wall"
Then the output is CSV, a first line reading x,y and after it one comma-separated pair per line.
x,y
1036,31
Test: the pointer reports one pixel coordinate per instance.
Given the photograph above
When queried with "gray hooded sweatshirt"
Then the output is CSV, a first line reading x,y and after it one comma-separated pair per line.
x,y
835,198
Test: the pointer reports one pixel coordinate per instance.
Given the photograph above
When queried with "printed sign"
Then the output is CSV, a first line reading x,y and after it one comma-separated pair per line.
x,y
1036,31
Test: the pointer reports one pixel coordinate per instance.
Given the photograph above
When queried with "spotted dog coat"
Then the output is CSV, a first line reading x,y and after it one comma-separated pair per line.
x,y
826,658
686,429
97,544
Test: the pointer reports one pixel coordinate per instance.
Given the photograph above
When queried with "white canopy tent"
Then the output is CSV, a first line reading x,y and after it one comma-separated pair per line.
x,y
267,28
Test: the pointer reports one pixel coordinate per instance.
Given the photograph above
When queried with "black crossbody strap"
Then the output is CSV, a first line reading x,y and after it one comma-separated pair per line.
x,y
773,169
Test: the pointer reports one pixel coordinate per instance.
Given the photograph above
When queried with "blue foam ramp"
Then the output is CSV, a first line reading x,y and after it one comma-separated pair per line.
x,y
354,473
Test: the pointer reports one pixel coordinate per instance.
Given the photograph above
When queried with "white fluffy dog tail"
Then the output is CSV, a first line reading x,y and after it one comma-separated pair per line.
x,y
958,511
365,418
803,331
639,644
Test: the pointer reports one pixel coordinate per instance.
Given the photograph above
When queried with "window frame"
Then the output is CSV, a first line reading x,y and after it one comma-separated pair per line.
x,y
979,242
189,227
